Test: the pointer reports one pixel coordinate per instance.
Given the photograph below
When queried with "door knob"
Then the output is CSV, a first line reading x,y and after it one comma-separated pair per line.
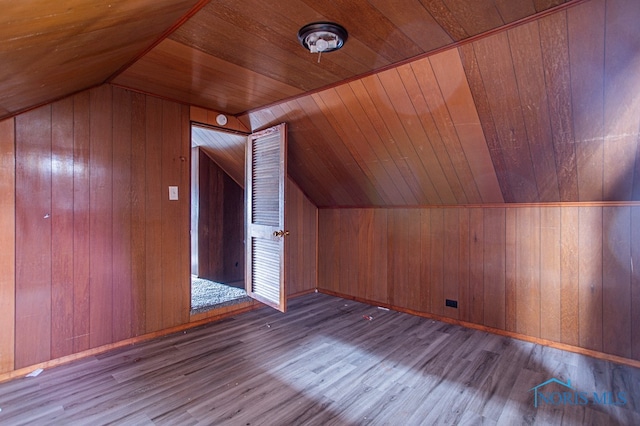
x,y
280,233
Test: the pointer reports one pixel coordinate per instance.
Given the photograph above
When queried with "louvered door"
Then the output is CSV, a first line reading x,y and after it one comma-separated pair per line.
x,y
264,190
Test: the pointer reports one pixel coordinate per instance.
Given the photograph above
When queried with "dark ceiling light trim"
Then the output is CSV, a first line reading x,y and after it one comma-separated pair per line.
x,y
322,37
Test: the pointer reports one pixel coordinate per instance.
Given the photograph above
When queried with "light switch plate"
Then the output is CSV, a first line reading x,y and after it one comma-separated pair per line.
x,y
173,193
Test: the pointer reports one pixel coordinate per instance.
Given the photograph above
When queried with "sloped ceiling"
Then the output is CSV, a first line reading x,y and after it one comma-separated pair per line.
x,y
50,49
430,102
546,111
239,55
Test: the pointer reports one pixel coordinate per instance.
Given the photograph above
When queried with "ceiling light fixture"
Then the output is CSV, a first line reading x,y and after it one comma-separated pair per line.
x,y
322,37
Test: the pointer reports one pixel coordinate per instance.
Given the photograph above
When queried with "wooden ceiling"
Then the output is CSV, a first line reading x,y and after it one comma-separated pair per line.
x,y
239,55
430,102
50,49
546,111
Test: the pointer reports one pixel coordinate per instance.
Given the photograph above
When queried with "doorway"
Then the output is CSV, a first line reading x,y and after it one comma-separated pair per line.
x,y
217,221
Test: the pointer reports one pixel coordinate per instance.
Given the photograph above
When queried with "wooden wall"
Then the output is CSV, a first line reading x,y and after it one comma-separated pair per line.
x,y
564,274
92,251
7,244
301,246
220,223
101,252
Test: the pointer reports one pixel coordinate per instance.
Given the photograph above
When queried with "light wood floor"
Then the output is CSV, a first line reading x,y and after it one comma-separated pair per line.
x,y
321,363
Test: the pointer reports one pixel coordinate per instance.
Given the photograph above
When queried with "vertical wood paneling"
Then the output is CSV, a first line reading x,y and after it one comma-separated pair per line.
x,y
569,267
294,244
122,255
635,282
328,244
425,263
83,254
528,271
536,271
494,268
153,217
62,206
33,237
194,228
358,280
174,164
233,255
476,265
463,265
184,228
310,246
373,268
510,270
436,245
403,242
101,219
550,273
451,261
138,213
347,249
7,244
210,226
300,245
397,250
220,226
616,281
81,221
589,303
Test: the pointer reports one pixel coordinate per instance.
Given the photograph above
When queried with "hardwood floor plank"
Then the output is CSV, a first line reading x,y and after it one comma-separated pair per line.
x,y
321,363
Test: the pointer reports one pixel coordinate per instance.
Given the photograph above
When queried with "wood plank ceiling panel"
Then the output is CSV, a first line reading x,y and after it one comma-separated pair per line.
x,y
493,55
621,101
587,93
226,149
557,106
200,79
400,137
534,115
258,41
525,50
555,61
393,105
462,116
52,49
263,37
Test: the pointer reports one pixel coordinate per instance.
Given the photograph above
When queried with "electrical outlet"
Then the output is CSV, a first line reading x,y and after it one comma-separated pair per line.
x,y
451,303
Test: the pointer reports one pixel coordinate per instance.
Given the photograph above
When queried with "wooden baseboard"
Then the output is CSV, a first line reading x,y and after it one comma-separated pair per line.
x,y
550,343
